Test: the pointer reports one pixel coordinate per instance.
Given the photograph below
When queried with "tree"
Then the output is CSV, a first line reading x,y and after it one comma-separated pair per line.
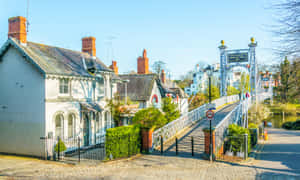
x,y
244,85
294,94
215,92
170,109
287,28
247,83
232,91
149,118
284,74
183,83
197,100
158,66
117,107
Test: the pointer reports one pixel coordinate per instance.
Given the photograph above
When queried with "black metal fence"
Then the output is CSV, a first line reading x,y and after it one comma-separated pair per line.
x,y
73,149
76,150
189,146
236,147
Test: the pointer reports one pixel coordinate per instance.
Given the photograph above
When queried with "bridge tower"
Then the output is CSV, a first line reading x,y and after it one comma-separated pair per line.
x,y
238,57
253,68
223,73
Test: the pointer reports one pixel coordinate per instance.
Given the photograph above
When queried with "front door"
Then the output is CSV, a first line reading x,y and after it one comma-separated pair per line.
x,y
86,130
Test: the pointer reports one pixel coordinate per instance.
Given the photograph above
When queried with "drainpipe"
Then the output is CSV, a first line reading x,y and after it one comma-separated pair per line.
x,y
111,97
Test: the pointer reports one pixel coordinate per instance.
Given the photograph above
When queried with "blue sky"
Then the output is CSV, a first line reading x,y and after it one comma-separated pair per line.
x,y
181,33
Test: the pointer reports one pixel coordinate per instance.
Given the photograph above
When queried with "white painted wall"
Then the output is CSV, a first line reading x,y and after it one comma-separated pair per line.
x,y
22,106
156,91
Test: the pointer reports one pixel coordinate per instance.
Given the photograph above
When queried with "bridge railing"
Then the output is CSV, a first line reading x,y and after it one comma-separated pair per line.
x,y
171,129
233,117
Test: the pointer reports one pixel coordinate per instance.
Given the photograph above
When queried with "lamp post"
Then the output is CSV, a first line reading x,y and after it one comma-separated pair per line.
x,y
209,73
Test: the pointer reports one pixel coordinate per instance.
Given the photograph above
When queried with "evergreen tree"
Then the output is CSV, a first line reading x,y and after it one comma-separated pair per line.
x,y
170,109
285,75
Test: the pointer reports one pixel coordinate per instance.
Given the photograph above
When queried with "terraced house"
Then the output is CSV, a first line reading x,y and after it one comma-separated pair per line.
x,y
51,92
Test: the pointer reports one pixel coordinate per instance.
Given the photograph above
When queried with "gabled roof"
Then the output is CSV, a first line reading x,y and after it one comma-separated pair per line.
x,y
55,60
171,87
139,87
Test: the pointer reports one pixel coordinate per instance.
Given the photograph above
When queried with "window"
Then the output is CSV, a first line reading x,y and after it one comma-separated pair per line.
x,y
59,126
71,125
63,86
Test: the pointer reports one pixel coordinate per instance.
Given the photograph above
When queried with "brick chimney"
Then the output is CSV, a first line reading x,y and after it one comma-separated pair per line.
x,y
17,28
89,45
163,76
114,67
143,64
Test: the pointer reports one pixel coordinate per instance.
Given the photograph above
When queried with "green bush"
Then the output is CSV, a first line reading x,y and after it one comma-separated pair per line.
x,y
122,141
253,133
149,118
236,138
62,146
170,109
287,125
252,126
296,125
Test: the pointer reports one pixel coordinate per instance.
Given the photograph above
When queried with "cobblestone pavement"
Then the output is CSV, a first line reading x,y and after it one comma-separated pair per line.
x,y
144,167
280,156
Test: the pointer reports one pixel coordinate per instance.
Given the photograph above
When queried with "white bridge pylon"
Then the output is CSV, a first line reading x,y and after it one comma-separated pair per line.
x,y
238,58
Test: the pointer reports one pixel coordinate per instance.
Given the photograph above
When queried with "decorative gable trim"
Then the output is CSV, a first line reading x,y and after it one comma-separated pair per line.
x,y
10,42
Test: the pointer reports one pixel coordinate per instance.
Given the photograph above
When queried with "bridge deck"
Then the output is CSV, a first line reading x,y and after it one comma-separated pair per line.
x,y
184,139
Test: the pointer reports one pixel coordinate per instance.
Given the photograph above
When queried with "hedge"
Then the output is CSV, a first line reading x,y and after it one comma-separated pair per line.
x,y
236,138
122,141
254,134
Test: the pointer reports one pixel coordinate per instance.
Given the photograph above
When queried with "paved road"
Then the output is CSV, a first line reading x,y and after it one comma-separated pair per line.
x,y
280,157
184,142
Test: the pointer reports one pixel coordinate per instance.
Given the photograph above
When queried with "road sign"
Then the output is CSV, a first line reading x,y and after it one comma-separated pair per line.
x,y
210,114
211,106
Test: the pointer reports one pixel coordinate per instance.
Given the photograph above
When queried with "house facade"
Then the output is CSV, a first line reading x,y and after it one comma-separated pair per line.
x,y
49,92
148,89
200,79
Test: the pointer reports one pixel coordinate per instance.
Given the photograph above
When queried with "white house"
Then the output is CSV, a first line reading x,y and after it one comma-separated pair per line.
x,y
51,92
200,79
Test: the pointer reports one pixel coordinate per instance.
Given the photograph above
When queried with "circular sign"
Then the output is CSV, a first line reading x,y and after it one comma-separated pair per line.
x,y
210,114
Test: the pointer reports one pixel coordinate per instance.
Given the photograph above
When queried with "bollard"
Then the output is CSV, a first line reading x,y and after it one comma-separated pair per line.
x,y
176,141
192,141
246,146
161,145
78,149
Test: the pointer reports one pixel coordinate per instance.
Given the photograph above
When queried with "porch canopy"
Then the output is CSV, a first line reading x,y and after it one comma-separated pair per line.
x,y
88,107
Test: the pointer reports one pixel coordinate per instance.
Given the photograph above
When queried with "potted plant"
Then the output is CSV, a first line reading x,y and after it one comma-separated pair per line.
x,y
60,147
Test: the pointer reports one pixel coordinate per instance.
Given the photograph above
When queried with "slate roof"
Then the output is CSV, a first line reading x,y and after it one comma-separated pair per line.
x,y
139,87
55,60
172,87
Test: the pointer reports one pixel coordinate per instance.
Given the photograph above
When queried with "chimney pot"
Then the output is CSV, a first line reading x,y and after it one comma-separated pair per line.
x,y
17,28
143,63
89,45
114,67
163,76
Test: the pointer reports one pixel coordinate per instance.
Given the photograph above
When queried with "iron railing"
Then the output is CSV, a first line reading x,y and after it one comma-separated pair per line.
x,y
171,129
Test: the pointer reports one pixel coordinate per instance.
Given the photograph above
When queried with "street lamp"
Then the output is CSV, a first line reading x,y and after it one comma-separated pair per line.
x,y
125,81
209,72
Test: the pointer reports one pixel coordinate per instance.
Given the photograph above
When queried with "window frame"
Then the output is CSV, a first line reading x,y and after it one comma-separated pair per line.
x,y
62,84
